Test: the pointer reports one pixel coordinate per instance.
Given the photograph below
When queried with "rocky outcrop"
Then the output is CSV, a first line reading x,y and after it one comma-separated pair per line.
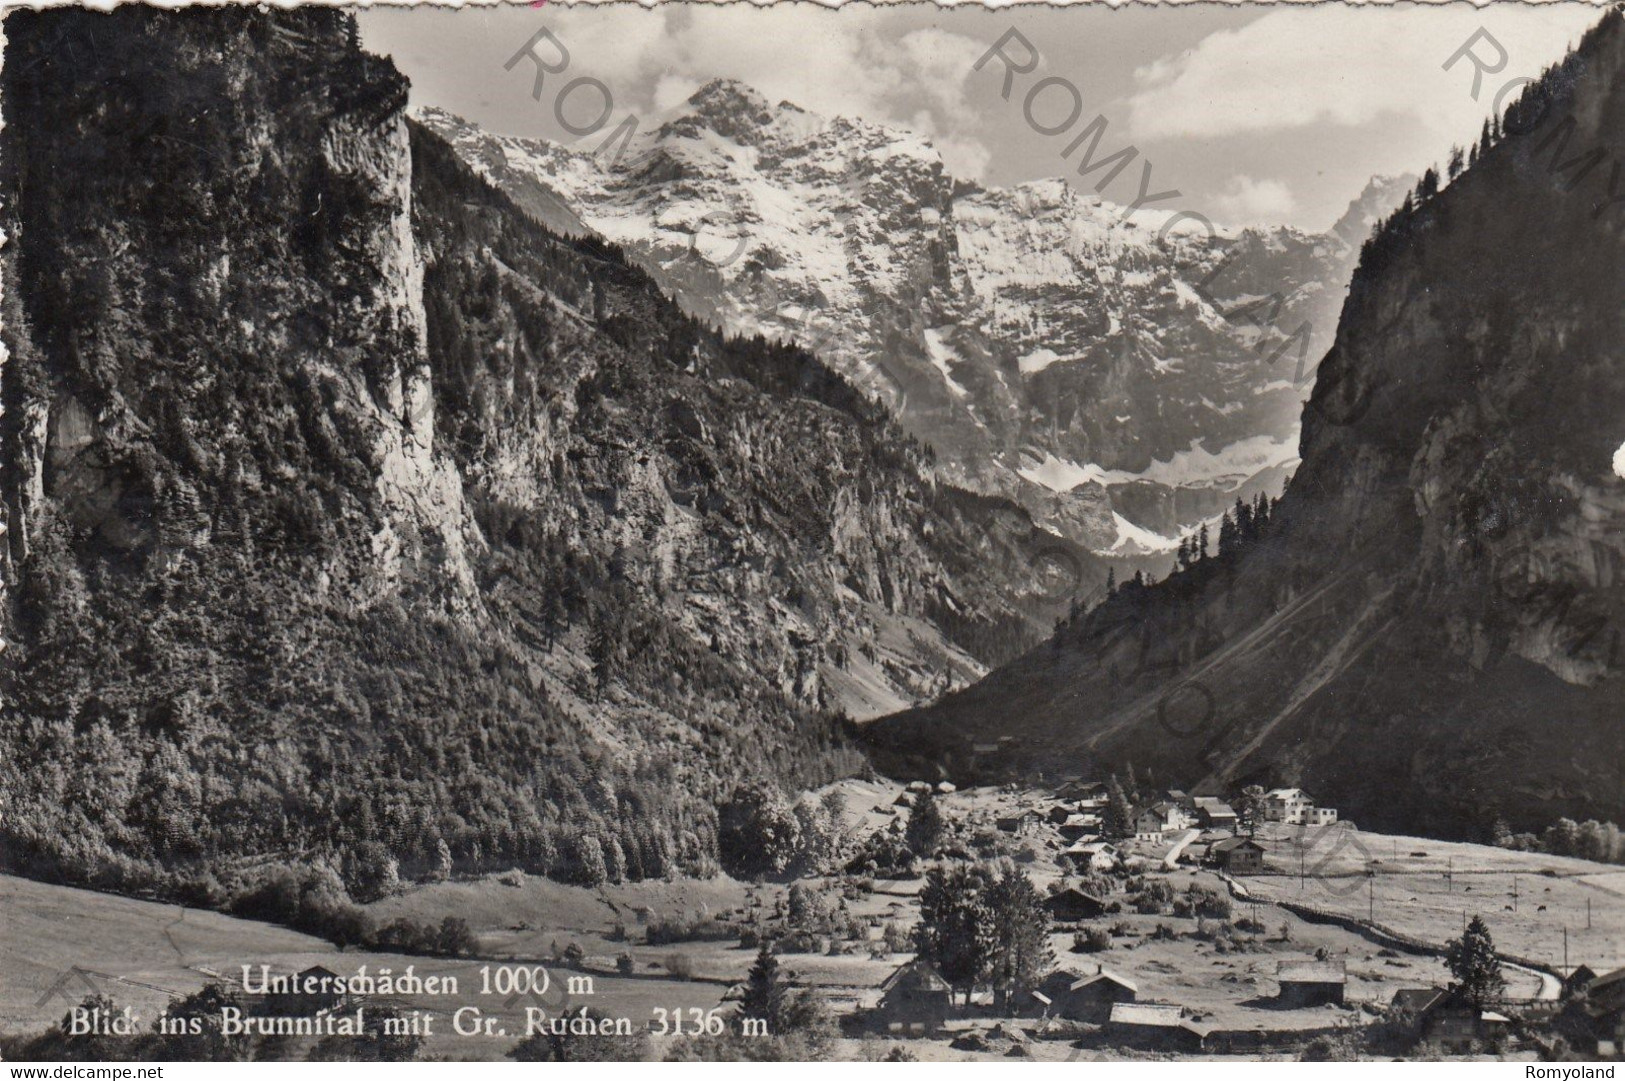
x,y
1429,637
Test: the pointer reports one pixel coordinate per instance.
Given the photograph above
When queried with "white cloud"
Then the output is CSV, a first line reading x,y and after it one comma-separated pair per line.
x,y
1245,201
1331,63
828,63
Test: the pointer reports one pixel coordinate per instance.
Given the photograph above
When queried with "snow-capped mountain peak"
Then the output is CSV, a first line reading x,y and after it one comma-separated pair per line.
x,y
999,324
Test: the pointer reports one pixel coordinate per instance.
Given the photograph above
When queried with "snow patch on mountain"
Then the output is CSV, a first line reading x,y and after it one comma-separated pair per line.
x,y
1194,466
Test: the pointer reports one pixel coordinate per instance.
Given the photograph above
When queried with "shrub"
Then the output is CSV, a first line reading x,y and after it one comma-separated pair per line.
x,y
1091,940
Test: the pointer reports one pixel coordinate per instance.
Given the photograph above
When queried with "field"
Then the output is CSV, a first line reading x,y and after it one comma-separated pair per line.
x,y
1427,888
140,953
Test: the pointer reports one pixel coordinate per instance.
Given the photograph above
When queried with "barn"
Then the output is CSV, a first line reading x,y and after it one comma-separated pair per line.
x,y
1238,856
1311,983
1091,998
1073,904
915,999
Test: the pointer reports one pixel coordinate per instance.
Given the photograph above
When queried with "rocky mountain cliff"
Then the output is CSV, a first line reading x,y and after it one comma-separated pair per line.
x,y
1120,386
345,503
1428,633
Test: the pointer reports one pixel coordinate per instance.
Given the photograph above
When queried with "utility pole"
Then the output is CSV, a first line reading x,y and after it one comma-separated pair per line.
x,y
1371,897
1514,893
1449,876
1588,914
1566,972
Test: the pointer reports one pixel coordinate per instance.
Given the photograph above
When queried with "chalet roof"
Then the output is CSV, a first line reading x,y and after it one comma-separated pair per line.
x,y
1581,976
1073,893
1087,845
1106,976
1233,843
1311,972
916,975
1285,794
1606,980
1141,1013
1214,806
1094,846
1081,821
1417,999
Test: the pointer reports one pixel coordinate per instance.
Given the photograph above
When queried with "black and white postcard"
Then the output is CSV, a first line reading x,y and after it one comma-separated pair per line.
x,y
729,532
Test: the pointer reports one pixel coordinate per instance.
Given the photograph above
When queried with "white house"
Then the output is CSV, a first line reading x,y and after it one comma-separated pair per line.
x,y
1295,807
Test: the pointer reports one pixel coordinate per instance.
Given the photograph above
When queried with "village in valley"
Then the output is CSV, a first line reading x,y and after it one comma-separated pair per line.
x,y
921,921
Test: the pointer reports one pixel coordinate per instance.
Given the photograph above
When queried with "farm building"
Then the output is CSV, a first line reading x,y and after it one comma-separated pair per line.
x,y
1455,1024
915,998
1077,827
1156,1028
1091,998
1022,825
1214,814
1416,1001
1161,818
1602,1006
1072,904
1576,981
1311,983
1239,856
1091,855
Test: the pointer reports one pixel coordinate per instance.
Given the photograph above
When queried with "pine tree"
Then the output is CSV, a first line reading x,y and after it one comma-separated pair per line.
x,y
1429,185
1021,954
954,932
1111,581
1250,809
1453,169
1183,558
1227,535
1202,543
1118,821
925,826
765,990
1472,960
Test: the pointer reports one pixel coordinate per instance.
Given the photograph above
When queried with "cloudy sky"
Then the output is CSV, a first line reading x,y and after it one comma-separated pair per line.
x,y
1252,114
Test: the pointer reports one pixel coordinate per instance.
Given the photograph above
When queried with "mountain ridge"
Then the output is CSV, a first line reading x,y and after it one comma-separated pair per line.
x,y
1005,328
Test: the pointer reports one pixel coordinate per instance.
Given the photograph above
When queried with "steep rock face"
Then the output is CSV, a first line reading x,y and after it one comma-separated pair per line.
x,y
1429,635
345,503
1033,338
